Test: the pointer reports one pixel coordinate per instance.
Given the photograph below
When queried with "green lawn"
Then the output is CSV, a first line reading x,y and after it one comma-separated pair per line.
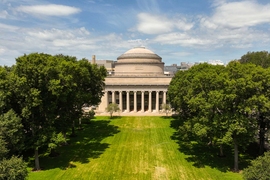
x,y
131,148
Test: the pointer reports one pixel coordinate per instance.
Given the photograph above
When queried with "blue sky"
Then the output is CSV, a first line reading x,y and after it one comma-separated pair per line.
x,y
176,30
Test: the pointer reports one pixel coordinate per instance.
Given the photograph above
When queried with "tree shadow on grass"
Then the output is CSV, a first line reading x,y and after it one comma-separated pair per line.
x,y
82,148
166,117
201,154
116,117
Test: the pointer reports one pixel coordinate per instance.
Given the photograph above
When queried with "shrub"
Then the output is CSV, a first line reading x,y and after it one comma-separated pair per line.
x,y
13,169
259,168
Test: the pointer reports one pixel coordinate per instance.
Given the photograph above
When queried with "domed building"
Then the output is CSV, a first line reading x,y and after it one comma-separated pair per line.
x,y
139,61
138,83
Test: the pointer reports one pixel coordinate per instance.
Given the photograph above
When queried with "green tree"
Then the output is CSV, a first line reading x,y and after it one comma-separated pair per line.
x,y
200,98
4,92
261,97
35,100
243,95
3,149
259,168
48,93
111,108
56,141
217,103
260,58
51,92
205,101
11,130
79,83
177,90
260,103
166,108
13,169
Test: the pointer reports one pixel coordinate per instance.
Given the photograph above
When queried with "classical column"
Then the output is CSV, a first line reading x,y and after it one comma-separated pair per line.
x,y
142,101
150,101
120,101
106,99
113,96
157,101
135,101
164,97
128,108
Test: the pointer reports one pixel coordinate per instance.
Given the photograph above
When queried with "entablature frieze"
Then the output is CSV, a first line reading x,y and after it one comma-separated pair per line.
x,y
160,88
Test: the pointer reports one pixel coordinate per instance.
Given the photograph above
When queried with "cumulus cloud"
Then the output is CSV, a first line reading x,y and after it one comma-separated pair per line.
x,y
232,24
238,14
156,24
59,38
239,25
181,39
49,10
150,24
77,42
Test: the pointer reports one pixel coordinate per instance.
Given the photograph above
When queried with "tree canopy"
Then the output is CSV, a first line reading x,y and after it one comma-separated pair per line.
x,y
41,96
260,58
111,108
219,104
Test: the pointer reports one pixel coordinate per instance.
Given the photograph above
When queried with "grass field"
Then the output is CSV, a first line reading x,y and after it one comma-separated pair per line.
x,y
132,148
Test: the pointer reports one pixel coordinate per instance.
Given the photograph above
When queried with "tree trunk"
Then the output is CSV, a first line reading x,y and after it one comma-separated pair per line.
x,y
73,129
37,167
80,124
262,136
236,168
65,137
221,154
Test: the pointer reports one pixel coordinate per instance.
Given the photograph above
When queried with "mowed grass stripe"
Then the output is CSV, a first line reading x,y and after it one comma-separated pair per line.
x,y
141,149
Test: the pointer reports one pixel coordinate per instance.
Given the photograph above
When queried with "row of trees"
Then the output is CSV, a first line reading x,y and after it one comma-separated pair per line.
x,y
42,96
224,105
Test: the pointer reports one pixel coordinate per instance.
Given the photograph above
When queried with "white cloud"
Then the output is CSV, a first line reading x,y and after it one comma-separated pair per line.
x,y
239,14
181,39
54,34
138,42
49,10
5,27
77,42
233,24
58,38
182,24
157,24
150,24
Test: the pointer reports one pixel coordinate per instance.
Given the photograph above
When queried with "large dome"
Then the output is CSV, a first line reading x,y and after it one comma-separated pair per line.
x,y
139,61
139,54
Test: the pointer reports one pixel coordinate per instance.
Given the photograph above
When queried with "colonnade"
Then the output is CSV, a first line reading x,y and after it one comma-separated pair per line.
x,y
136,101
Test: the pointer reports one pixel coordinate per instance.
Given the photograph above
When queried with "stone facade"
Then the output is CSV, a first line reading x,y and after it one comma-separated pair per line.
x,y
138,84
